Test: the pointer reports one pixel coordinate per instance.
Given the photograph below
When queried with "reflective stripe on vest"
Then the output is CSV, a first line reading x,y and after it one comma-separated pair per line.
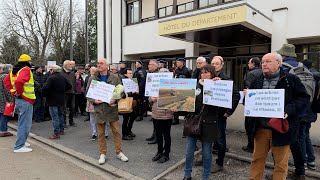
x,y
28,87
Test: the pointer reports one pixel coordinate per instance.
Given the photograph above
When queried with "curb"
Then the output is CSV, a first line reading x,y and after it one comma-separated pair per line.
x,y
87,159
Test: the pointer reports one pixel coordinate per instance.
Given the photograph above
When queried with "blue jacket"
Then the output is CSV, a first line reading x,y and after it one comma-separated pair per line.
x,y
296,99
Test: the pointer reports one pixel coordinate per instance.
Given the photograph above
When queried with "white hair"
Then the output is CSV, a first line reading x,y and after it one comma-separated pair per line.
x,y
56,68
278,57
155,61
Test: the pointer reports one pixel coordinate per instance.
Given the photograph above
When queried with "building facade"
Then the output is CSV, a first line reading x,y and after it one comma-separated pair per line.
x,y
235,29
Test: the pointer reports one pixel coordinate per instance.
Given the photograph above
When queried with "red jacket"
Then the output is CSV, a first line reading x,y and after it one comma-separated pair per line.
x,y
23,77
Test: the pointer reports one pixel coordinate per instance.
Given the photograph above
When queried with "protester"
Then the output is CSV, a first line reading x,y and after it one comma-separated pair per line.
x,y
209,124
141,75
40,78
254,71
90,110
218,64
107,113
128,118
69,73
201,62
79,93
54,90
122,70
20,83
266,138
5,96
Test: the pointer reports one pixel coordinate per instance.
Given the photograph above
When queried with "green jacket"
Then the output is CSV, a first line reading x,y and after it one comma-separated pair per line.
x,y
103,112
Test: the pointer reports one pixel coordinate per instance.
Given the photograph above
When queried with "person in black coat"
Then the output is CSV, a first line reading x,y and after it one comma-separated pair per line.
x,y
141,75
39,109
54,89
267,138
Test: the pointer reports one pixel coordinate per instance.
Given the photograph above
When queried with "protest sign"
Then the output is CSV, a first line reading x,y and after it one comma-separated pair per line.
x,y
100,90
130,85
241,97
267,103
152,82
218,93
178,94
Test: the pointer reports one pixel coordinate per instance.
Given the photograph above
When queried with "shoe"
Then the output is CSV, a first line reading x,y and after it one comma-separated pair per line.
x,y
122,157
102,159
73,124
163,159
132,135
54,137
198,163
84,114
151,138
247,149
140,118
127,138
6,134
153,141
305,166
62,133
27,144
22,150
187,178
93,138
87,119
311,165
216,168
157,157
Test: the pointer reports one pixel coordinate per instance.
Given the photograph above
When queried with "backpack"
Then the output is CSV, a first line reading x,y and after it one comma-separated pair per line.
x,y
305,76
315,106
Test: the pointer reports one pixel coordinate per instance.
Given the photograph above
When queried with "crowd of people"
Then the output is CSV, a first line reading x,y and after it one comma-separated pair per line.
x,y
61,92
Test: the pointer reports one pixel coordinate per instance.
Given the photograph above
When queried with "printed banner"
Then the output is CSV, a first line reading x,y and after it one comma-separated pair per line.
x,y
152,82
218,93
267,103
178,94
130,85
100,91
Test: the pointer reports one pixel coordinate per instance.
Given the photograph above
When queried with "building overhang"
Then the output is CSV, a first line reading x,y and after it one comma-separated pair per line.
x,y
231,26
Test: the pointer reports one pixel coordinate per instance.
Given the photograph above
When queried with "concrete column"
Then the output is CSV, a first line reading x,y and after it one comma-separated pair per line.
x,y
279,28
100,29
116,30
192,50
108,29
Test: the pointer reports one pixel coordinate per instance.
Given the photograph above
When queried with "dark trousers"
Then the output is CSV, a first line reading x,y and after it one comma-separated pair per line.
x,y
79,103
221,142
296,150
249,126
68,104
163,129
142,103
39,108
127,123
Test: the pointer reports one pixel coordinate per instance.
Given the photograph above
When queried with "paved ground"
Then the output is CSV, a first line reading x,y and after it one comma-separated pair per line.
x,y
42,163
140,153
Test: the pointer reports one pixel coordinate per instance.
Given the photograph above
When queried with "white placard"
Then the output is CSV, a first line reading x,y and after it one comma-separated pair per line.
x,y
100,90
218,93
130,85
50,63
241,97
153,82
267,103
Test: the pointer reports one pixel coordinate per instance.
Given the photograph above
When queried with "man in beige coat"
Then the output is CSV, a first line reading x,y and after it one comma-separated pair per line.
x,y
106,112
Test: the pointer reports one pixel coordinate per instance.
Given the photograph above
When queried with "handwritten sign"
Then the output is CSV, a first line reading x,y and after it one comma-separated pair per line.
x,y
130,85
218,93
264,103
153,81
100,91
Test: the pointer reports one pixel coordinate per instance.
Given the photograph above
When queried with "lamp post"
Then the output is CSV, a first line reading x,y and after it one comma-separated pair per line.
x,y
87,33
71,39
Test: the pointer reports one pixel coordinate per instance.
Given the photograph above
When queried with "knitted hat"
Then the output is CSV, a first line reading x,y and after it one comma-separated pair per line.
x,y
24,58
288,50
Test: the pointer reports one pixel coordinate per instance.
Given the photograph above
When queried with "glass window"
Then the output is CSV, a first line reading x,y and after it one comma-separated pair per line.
x,y
169,10
203,3
162,12
212,2
181,8
189,6
165,11
133,12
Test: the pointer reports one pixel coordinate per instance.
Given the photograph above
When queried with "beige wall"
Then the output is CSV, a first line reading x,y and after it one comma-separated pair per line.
x,y
164,3
148,8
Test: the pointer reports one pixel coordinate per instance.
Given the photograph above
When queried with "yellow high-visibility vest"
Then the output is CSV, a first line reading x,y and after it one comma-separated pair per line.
x,y
28,87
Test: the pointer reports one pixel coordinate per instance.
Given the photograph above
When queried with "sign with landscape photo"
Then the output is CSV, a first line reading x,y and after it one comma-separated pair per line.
x,y
177,94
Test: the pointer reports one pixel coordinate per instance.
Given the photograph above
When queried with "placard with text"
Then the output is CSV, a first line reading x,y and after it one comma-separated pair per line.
x,y
218,93
100,90
153,81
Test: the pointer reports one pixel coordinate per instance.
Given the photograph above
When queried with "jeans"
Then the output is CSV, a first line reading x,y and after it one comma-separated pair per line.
x,y
3,123
94,126
39,108
56,113
221,142
206,156
25,111
307,148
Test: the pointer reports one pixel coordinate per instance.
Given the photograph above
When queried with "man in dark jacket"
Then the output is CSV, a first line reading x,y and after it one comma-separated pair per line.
x,y
218,63
141,75
266,138
181,72
201,62
69,73
254,71
54,89
40,78
123,68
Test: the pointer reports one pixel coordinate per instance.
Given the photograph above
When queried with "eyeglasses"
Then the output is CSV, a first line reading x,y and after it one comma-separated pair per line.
x,y
152,64
267,61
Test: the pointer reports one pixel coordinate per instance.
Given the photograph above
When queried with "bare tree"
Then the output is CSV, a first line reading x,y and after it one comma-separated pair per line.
x,y
33,21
